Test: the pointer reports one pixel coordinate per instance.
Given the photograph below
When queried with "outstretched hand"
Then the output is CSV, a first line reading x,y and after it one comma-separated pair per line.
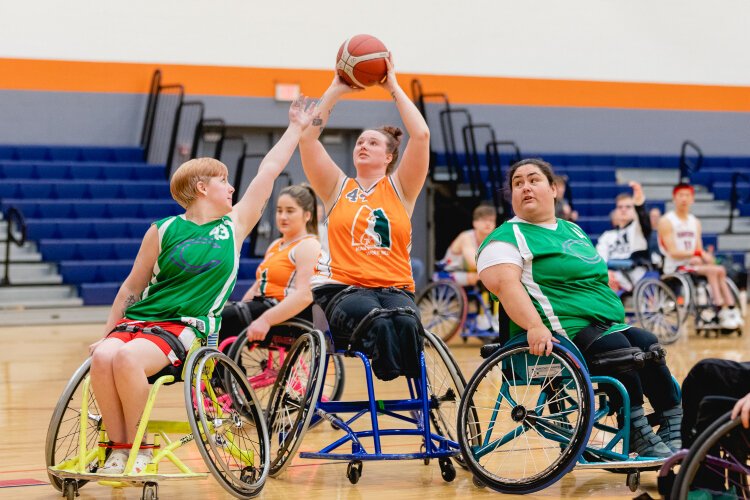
x,y
339,87
302,111
390,83
638,197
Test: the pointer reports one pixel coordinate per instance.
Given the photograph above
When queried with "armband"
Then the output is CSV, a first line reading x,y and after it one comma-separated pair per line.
x,y
698,253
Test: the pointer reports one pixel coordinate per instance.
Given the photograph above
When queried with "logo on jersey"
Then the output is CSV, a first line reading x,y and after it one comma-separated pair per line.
x,y
581,249
371,229
220,232
194,250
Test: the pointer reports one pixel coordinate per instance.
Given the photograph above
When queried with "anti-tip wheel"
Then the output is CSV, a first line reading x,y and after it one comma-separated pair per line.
x,y
447,470
354,471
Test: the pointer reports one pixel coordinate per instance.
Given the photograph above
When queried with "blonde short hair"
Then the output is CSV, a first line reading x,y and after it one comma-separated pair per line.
x,y
186,177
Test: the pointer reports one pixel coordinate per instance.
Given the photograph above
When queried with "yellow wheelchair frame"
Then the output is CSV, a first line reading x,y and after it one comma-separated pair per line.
x,y
221,406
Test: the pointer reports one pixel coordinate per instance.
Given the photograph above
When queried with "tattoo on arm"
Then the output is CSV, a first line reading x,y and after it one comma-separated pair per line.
x,y
393,94
130,300
317,121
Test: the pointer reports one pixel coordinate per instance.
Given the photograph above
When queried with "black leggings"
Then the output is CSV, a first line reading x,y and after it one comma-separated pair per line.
x,y
393,342
237,316
711,377
653,380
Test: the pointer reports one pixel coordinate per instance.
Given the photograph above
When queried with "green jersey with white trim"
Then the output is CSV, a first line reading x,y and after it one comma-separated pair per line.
x,y
564,276
193,276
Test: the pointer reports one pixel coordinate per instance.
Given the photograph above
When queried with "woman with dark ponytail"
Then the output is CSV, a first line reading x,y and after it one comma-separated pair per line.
x,y
282,280
368,230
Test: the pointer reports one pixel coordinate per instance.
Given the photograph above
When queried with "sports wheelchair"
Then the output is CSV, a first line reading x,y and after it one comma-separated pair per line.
x,y
428,414
718,461
262,361
693,296
651,303
524,421
444,308
224,419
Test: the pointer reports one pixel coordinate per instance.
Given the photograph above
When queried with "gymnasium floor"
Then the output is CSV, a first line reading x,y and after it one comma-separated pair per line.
x,y
36,362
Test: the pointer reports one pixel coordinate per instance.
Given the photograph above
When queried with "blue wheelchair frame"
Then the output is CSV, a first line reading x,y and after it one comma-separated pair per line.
x,y
589,456
414,411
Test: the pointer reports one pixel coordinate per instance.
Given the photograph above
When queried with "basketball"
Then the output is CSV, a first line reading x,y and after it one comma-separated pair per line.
x,y
361,61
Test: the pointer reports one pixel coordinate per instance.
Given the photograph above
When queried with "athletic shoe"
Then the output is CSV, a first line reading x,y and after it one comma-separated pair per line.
x,y
115,463
142,460
737,313
669,428
643,440
727,319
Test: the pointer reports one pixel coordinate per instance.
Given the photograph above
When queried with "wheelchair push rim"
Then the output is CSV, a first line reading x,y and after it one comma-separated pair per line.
x,y
657,310
529,435
443,307
227,422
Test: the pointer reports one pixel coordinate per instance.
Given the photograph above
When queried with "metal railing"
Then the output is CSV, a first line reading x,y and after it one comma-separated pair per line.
x,y
447,128
495,166
687,165
473,162
734,198
13,215
419,97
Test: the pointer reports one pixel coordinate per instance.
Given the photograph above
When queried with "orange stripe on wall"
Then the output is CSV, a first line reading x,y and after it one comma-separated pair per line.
x,y
77,76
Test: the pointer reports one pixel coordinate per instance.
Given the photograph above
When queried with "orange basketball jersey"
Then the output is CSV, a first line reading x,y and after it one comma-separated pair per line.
x,y
276,273
368,239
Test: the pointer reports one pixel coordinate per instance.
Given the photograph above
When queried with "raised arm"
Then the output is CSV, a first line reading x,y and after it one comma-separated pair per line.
x,y
412,169
306,255
248,210
322,172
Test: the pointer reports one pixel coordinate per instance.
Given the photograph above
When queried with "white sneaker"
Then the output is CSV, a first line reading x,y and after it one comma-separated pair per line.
x,y
737,313
727,319
115,463
142,460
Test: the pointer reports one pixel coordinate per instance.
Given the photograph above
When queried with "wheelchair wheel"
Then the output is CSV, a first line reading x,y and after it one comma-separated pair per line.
x,y
64,427
536,413
657,310
446,385
227,422
292,402
443,307
718,460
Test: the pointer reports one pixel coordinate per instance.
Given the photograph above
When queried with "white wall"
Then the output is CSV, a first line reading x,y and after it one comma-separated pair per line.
x,y
688,41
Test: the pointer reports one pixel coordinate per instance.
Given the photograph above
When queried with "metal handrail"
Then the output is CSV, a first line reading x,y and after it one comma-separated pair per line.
x,y
449,139
213,124
175,126
687,166
150,115
419,98
470,146
197,130
734,198
494,163
16,215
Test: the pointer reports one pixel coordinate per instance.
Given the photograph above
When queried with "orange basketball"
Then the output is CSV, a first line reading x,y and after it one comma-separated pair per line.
x,y
361,61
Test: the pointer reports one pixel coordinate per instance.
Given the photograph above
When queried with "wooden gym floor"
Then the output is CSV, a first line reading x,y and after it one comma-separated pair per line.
x,y
36,362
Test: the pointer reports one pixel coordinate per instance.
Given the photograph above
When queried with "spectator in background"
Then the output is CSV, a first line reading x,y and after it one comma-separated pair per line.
x,y
460,258
628,239
563,210
653,241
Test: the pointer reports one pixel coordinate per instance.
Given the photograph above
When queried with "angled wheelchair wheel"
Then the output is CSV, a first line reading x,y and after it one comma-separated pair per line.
x,y
719,461
227,422
657,309
445,384
536,415
63,434
294,396
443,307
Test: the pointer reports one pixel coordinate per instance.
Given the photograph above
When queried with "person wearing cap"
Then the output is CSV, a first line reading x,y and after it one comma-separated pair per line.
x,y
680,240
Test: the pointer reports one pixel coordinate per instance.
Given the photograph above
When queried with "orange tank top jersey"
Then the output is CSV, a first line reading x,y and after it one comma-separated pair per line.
x,y
368,239
276,273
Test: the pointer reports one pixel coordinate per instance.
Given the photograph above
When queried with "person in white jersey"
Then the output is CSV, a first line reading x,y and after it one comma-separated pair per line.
x,y
628,240
182,276
548,276
680,240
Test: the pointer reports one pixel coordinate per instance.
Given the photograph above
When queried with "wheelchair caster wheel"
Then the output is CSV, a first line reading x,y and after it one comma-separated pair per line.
x,y
477,482
633,480
426,460
70,489
354,471
150,491
447,470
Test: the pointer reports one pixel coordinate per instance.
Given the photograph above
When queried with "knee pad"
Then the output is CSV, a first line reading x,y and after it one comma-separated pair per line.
x,y
618,361
656,354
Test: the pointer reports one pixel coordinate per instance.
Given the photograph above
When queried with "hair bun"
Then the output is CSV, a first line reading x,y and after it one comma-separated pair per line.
x,y
394,131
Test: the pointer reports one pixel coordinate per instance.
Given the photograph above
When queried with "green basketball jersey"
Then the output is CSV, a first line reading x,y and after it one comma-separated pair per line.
x,y
564,276
193,276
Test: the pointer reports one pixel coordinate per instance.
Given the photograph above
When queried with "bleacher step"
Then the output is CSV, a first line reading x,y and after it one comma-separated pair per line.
x,y
718,225
715,208
648,176
34,274
656,192
26,253
38,296
729,242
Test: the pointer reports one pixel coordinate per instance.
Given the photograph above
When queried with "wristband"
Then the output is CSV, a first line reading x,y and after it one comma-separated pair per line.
x,y
698,253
